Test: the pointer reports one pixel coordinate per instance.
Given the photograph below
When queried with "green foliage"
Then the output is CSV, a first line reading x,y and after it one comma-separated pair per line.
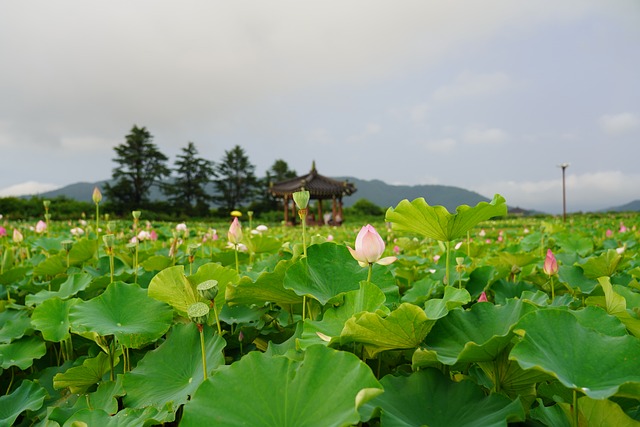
x,y
236,182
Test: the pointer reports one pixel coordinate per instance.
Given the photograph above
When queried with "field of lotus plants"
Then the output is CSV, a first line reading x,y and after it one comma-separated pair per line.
x,y
421,318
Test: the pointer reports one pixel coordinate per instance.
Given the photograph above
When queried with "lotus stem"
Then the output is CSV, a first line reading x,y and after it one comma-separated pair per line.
x,y
575,408
369,274
204,355
446,276
215,313
553,292
237,262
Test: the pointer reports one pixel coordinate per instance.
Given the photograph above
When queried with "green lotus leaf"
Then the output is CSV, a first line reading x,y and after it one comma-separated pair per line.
x,y
616,305
268,287
575,278
475,335
171,286
80,378
427,397
123,310
21,353
574,243
368,298
605,264
13,275
404,328
83,250
52,266
452,298
173,371
157,263
74,284
126,418
437,223
13,324
29,396
324,389
328,271
261,243
51,318
581,358
592,412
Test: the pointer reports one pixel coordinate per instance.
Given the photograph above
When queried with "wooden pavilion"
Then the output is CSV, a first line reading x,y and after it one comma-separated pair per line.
x,y
320,188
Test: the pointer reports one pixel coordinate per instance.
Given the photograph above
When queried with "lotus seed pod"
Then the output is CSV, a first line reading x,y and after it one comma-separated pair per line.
x,y
46,204
192,249
136,214
301,198
208,289
66,245
198,313
109,240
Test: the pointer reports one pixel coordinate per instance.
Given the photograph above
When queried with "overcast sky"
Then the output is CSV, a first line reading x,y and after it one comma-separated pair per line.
x,y
489,95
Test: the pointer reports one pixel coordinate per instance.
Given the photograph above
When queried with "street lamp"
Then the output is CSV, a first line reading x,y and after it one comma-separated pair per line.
x,y
564,166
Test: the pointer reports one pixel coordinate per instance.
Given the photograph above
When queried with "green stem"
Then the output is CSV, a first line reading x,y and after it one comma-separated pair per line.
x,y
369,274
448,246
215,312
304,306
553,292
237,263
469,244
111,264
97,220
575,408
204,355
304,234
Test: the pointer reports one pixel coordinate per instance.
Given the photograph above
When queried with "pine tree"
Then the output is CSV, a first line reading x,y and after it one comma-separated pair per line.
x,y
236,184
188,191
140,165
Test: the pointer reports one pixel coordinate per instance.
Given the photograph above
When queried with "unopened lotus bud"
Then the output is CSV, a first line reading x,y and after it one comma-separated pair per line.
x,y
97,195
208,289
198,313
17,236
301,198
66,245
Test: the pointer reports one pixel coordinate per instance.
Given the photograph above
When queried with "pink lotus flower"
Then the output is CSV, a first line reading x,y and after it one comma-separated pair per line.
x,y
623,228
3,231
153,235
235,232
483,297
550,264
609,233
369,248
41,227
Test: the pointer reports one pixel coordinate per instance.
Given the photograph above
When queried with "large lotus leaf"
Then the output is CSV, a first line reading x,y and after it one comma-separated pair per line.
x,y
554,341
328,271
171,286
404,328
74,284
80,378
157,263
268,287
452,298
475,335
616,305
574,243
603,265
173,371
592,412
437,223
261,243
52,266
324,389
21,353
123,310
29,396
215,271
51,318
575,278
128,417
427,397
368,298
13,324
13,275
83,250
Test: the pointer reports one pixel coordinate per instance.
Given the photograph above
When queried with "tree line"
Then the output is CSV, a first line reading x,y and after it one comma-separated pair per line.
x,y
141,166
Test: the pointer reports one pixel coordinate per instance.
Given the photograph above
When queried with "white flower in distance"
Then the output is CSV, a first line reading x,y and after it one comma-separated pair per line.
x,y
77,231
369,248
143,235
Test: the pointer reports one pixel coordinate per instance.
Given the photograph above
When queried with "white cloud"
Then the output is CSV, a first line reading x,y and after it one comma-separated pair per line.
x,y
319,136
27,188
369,130
585,192
472,85
486,136
441,145
619,124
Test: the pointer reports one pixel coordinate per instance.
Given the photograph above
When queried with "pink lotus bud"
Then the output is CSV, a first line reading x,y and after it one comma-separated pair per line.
x,y
609,233
396,249
482,233
96,196
17,236
235,232
41,227
3,231
623,228
369,248
550,264
483,297
153,235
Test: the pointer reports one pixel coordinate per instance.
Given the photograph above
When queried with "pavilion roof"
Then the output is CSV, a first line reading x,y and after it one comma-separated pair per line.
x,y
319,186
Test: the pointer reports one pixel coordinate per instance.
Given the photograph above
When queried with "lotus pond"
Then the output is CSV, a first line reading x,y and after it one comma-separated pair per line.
x,y
426,317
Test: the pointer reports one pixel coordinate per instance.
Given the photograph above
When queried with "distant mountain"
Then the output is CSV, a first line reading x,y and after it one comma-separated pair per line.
x,y
376,191
629,207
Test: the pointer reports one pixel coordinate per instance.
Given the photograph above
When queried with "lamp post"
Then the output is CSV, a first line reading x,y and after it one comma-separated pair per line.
x,y
564,166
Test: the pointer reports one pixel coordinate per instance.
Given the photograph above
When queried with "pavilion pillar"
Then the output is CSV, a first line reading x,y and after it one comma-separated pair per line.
x,y
286,209
320,219
333,210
